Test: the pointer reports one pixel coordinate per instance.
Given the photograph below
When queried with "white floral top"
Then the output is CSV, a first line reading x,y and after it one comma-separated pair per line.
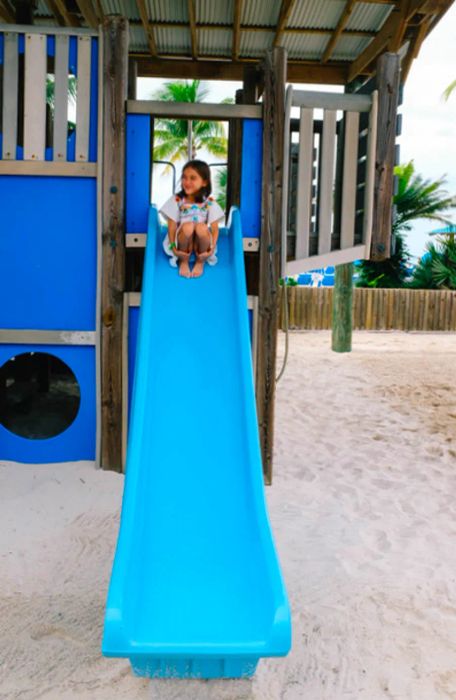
x,y
178,209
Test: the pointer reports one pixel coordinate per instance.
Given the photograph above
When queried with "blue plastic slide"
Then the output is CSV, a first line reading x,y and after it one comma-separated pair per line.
x,y
196,590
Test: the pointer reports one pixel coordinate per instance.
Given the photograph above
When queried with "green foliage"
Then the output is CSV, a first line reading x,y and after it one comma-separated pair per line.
x,y
437,267
171,135
50,96
416,198
220,182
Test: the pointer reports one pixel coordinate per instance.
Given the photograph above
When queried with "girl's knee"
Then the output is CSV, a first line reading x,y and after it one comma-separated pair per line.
x,y
201,230
187,229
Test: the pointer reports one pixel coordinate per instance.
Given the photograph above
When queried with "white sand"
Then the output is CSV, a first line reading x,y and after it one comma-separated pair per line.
x,y
363,509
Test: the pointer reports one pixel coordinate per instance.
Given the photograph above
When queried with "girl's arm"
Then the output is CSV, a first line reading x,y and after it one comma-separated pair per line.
x,y
215,234
172,228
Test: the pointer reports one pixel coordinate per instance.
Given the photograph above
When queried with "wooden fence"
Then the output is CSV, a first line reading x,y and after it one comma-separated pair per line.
x,y
374,309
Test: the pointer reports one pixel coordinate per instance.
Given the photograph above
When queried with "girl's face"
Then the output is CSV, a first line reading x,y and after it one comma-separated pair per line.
x,y
192,182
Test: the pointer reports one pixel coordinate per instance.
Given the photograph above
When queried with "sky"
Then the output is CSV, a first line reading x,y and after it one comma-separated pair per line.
x,y
428,127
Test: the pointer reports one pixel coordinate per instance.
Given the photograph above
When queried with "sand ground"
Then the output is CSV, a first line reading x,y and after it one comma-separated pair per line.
x,y
363,509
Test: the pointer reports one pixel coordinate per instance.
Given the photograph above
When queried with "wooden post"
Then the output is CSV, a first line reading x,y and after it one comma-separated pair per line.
x,y
342,309
275,67
132,78
115,80
388,73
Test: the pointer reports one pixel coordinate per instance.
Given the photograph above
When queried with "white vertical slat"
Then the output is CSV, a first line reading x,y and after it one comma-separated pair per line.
x,y
10,88
35,97
347,224
325,207
286,179
83,99
370,175
61,97
304,186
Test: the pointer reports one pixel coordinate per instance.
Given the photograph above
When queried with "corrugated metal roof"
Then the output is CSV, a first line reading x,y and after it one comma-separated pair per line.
x,y
214,11
172,41
138,40
42,9
368,16
349,47
120,7
260,13
316,14
215,42
165,11
254,44
305,46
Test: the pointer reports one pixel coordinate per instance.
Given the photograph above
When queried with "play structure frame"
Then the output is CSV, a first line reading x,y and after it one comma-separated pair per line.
x,y
264,241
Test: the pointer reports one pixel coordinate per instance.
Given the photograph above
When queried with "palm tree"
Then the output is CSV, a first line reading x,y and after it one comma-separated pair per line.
x,y
416,198
437,267
176,139
448,90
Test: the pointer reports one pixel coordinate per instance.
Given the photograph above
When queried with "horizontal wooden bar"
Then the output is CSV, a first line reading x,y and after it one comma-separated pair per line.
x,y
13,336
179,66
331,101
47,167
37,29
138,240
335,257
189,110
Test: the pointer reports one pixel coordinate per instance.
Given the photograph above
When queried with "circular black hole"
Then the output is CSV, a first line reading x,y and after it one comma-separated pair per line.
x,y
39,395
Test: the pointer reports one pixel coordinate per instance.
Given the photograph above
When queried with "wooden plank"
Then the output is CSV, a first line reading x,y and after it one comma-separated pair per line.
x,y
192,23
375,47
6,13
334,73
35,97
115,81
369,185
148,27
304,186
274,66
332,101
285,11
43,337
343,20
236,29
197,110
335,257
50,168
10,95
388,72
347,226
88,12
61,98
74,31
325,196
83,99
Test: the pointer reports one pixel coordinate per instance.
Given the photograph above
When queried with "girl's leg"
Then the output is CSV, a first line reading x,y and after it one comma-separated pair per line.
x,y
202,244
185,243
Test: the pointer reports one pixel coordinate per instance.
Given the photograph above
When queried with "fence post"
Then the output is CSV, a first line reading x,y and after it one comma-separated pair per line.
x,y
342,309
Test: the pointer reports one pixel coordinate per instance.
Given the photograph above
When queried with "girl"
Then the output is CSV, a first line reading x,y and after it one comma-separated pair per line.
x,y
193,217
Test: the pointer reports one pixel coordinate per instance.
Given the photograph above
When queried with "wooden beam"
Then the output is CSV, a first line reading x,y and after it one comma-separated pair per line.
x,y
114,79
192,22
88,12
55,11
414,48
236,28
270,248
7,14
69,18
376,46
343,20
387,79
148,27
297,71
285,11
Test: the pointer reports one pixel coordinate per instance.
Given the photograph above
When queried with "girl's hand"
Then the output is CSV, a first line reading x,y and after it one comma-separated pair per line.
x,y
204,256
181,254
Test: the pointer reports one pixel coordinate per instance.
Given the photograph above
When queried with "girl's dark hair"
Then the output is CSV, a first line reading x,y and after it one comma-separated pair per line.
x,y
204,172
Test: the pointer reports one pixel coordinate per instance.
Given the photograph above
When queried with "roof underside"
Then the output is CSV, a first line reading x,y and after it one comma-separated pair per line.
x,y
328,41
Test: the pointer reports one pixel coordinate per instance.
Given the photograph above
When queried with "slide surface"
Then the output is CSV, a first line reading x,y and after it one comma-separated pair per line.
x,y
196,588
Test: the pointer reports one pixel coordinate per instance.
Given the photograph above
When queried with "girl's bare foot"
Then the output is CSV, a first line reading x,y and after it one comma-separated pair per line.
x,y
184,269
198,269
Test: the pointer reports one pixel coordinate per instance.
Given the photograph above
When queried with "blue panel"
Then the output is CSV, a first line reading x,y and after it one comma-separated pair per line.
x,y
93,101
78,440
251,172
73,55
138,172
21,43
133,319
48,249
50,45
1,47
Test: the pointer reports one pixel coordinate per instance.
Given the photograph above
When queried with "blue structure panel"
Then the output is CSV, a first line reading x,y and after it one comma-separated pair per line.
x,y
48,252
251,177
138,166
78,440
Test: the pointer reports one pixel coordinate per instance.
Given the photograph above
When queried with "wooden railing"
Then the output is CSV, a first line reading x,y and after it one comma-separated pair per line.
x,y
374,309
